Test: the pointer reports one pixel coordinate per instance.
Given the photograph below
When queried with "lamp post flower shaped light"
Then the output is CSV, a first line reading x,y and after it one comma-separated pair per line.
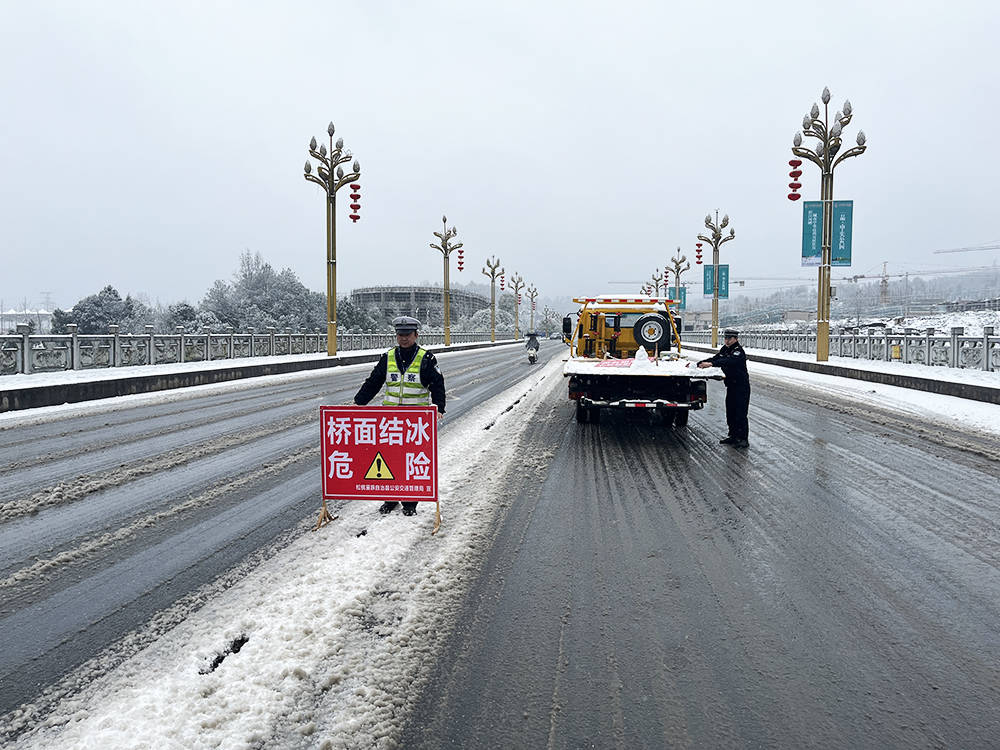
x,y
446,247
826,154
715,239
331,177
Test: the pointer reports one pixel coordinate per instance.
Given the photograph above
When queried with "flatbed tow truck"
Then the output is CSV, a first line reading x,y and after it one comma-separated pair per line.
x,y
625,352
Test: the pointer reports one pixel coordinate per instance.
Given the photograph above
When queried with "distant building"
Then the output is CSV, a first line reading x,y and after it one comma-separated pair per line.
x,y
41,318
792,316
692,320
426,303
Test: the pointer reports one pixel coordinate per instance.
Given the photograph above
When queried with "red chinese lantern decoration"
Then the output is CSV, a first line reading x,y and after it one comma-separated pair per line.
x,y
519,298
355,206
501,282
461,259
795,174
698,253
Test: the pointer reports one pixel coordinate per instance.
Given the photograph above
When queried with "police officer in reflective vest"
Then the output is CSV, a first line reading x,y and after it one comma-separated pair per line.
x,y
733,361
411,378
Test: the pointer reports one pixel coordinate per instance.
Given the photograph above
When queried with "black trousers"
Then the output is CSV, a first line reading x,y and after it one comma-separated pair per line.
x,y
737,405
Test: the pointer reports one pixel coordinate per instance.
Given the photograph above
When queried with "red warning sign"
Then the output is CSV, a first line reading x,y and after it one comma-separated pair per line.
x,y
379,452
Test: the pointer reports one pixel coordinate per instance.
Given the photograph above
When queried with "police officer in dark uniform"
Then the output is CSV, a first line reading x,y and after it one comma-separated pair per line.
x,y
411,378
733,361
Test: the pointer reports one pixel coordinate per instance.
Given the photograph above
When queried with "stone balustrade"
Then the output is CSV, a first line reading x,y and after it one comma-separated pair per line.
x,y
926,347
26,353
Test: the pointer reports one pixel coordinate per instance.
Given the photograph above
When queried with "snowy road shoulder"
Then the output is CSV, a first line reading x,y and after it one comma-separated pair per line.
x,y
332,634
957,413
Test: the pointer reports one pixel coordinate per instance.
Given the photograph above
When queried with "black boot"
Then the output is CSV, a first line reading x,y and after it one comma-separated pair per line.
x,y
387,507
727,440
409,509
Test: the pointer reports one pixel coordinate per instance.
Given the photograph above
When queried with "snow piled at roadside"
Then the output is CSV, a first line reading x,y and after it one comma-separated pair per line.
x,y
972,321
959,413
340,627
942,374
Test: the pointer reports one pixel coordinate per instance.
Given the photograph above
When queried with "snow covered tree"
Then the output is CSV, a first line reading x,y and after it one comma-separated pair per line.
x,y
353,318
259,297
95,313
181,314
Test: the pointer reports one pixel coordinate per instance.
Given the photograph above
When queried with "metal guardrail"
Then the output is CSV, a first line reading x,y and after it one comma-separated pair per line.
x,y
909,346
25,353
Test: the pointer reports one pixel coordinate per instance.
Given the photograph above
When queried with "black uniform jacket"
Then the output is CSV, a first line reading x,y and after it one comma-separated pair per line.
x,y
430,376
733,361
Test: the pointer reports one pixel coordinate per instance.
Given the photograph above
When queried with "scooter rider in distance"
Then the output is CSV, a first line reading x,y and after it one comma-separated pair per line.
x,y
532,346
411,377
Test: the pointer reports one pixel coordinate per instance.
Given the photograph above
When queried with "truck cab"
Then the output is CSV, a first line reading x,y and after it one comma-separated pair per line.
x,y
616,327
625,353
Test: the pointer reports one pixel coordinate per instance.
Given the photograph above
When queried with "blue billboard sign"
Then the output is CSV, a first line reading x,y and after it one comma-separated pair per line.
x,y
709,283
812,233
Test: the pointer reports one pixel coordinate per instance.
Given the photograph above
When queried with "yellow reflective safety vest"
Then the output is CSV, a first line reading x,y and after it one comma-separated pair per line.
x,y
405,389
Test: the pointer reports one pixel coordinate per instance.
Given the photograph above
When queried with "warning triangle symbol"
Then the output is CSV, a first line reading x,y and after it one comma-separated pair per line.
x,y
378,469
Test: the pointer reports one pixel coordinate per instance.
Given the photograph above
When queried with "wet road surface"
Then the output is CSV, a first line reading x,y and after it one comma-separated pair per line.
x,y
836,585
112,524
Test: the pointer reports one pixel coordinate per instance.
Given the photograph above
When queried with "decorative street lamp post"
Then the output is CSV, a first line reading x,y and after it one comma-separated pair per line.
x,y
656,278
493,264
446,248
677,261
331,178
517,284
532,294
824,155
715,240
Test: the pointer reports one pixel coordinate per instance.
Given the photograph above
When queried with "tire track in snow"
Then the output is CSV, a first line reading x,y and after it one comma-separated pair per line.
x,y
38,571
74,489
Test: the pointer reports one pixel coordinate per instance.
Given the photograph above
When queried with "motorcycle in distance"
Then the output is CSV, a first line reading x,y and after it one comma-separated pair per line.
x,y
532,346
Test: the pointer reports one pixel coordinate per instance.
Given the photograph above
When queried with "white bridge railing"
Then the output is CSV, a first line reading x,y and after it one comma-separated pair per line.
x,y
909,346
25,353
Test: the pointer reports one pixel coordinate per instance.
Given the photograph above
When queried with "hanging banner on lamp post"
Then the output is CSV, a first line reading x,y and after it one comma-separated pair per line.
x,y
682,298
812,233
843,228
709,282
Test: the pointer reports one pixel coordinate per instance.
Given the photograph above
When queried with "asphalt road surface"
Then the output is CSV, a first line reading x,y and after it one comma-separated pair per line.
x,y
834,586
111,523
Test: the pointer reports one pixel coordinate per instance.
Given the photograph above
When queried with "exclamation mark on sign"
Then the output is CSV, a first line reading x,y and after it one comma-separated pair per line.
x,y
379,469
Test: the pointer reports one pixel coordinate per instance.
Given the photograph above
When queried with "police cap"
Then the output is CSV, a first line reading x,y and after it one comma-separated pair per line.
x,y
406,324
730,333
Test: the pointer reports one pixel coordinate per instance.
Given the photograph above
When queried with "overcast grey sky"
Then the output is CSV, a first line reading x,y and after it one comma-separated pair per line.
x,y
146,144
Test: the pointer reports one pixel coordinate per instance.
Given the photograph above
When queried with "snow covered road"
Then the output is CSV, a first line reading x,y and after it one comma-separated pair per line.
x,y
127,514
617,584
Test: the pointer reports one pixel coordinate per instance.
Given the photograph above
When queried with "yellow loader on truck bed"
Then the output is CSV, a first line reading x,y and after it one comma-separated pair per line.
x,y
625,353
